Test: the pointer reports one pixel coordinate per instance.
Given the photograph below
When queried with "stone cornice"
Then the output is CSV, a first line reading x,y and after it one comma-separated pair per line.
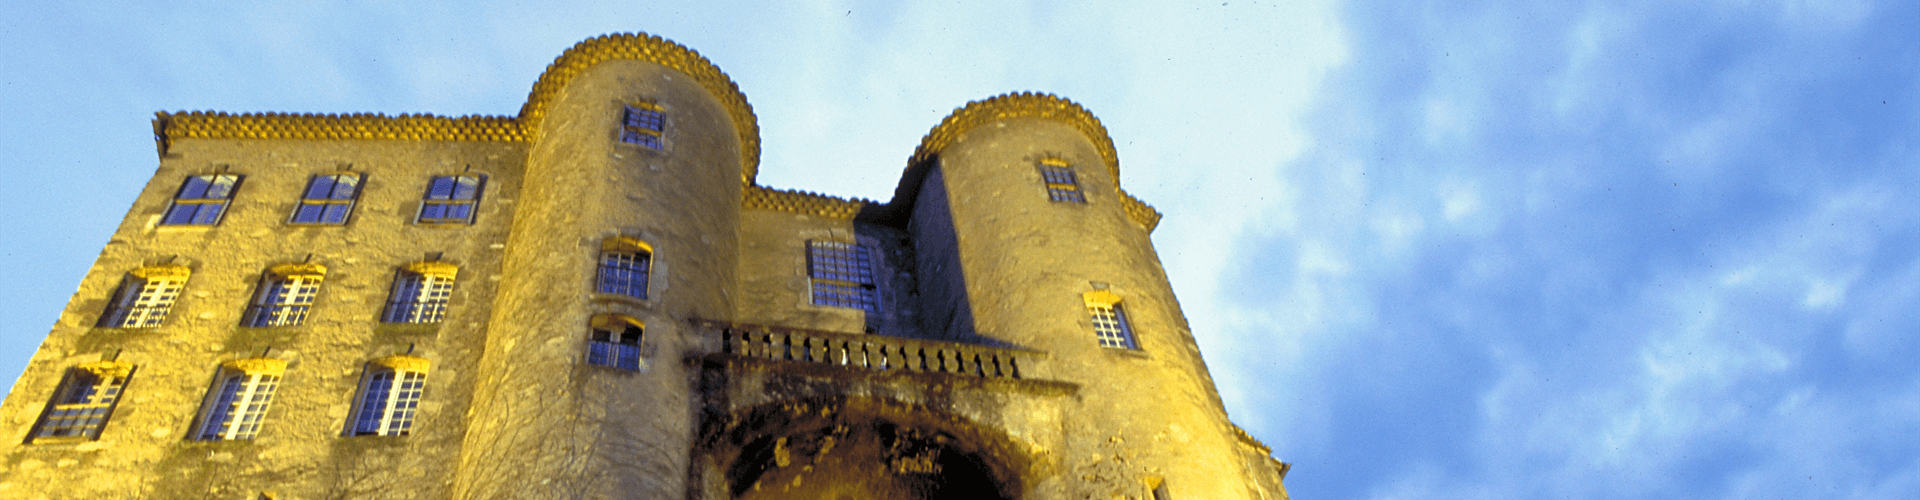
x,y
1034,105
170,127
657,50
801,202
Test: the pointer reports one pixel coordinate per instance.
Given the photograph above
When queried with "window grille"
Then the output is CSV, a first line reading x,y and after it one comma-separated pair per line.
x,y
238,405
614,341
625,265
1110,326
283,296
842,275
144,297
643,124
1061,183
420,293
84,401
388,400
201,200
451,199
328,200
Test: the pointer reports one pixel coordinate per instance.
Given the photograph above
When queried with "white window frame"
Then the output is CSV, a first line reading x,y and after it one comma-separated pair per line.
x,y
237,404
1110,326
420,293
83,403
284,296
621,347
389,398
144,297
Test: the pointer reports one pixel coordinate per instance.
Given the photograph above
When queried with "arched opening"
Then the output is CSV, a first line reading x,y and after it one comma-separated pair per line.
x,y
857,449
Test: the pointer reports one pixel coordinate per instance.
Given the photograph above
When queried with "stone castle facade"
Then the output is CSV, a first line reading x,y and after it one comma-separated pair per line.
x,y
594,299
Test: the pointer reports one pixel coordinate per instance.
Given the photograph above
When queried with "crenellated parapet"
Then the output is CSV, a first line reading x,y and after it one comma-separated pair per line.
x,y
801,202
1034,105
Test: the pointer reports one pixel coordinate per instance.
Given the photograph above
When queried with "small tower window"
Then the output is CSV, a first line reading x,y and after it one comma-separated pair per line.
x,y
389,396
201,201
1110,326
420,293
450,199
842,275
643,124
615,342
144,297
284,294
238,402
625,264
328,200
1062,185
83,402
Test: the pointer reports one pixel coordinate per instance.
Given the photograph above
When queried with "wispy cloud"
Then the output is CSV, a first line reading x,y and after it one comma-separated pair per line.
x,y
1606,251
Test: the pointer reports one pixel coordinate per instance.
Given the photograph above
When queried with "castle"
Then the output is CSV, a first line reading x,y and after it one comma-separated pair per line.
x,y
595,299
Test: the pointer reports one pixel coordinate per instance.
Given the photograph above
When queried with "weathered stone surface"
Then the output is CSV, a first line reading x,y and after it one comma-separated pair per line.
x,y
977,376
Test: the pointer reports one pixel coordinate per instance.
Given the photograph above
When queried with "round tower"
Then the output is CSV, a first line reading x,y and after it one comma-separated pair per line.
x,y
625,228
1056,257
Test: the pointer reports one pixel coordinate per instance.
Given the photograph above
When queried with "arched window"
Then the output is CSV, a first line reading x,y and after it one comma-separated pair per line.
x,y
83,402
284,294
144,297
450,199
420,293
238,402
615,341
328,199
1110,326
624,267
389,396
201,200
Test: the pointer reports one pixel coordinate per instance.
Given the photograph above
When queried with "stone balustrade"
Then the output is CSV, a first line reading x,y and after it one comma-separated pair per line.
x,y
876,352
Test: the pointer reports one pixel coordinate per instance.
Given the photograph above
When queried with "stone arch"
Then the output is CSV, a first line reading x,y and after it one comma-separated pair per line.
x,y
856,447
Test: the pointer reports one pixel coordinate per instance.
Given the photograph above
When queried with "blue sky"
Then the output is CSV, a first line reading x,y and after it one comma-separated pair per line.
x,y
1430,249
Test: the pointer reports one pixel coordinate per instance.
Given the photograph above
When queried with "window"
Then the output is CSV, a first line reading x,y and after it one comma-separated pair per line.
x,y
328,199
1109,320
285,293
450,199
643,124
201,201
389,396
83,402
624,265
842,275
420,293
239,399
1061,183
615,342
144,297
